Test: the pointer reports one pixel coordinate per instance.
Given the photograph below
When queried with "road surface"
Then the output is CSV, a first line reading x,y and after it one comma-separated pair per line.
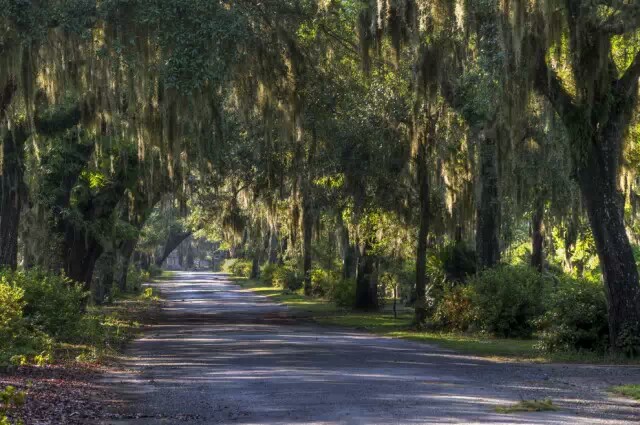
x,y
221,354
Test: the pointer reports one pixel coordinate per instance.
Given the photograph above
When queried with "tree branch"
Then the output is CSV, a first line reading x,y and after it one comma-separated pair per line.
x,y
548,84
629,81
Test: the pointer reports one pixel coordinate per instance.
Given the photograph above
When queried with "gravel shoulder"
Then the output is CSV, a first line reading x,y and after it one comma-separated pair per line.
x,y
221,354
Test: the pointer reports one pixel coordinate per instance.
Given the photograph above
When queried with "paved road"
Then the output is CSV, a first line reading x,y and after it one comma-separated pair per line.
x,y
225,355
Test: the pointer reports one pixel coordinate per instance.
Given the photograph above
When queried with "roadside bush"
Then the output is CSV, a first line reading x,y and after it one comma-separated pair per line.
x,y
507,300
458,262
343,292
576,318
455,311
237,267
11,321
266,273
155,271
286,277
52,303
323,282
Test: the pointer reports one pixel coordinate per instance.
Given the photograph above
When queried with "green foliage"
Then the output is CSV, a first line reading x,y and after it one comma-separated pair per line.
x,y
455,309
237,267
286,277
628,340
576,317
266,273
458,261
10,399
507,300
53,304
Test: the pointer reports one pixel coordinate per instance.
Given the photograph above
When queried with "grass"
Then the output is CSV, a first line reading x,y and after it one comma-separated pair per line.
x,y
383,323
528,406
631,391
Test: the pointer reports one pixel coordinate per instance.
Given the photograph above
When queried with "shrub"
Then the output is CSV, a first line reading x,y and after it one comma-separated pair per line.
x,y
286,277
266,273
458,262
323,282
343,292
576,318
53,303
237,267
454,311
507,300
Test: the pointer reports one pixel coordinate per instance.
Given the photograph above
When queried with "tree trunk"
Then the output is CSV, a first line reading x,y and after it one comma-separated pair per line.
x,y
537,237
423,232
273,245
605,209
125,253
80,253
307,234
173,241
347,250
488,207
366,285
12,190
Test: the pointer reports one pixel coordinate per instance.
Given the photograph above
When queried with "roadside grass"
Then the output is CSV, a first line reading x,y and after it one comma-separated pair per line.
x,y
528,406
383,323
106,329
631,391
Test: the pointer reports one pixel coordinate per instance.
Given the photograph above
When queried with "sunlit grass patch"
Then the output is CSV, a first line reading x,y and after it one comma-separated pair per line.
x,y
631,391
528,406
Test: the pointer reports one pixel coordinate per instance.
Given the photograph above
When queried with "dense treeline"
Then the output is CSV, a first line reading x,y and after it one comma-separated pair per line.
x,y
479,157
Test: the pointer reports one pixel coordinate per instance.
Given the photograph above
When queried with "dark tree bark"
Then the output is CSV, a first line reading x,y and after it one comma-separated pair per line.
x,y
307,237
366,282
125,252
596,120
488,207
12,194
537,237
273,245
175,238
347,250
423,233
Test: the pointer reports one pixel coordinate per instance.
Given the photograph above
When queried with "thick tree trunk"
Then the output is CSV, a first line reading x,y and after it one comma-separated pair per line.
x,y
366,282
80,253
273,245
537,237
12,189
488,207
307,235
125,253
605,208
173,241
423,232
347,250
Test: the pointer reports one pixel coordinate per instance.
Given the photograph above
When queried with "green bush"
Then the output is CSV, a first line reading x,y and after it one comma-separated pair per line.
x,y
343,292
237,267
576,318
11,320
454,311
323,282
53,303
458,262
266,273
286,277
507,300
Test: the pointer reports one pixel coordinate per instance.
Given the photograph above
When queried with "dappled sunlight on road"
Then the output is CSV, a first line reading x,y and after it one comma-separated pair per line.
x,y
220,355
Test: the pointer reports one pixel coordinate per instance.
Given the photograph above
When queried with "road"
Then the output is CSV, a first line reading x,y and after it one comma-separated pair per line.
x,y
221,354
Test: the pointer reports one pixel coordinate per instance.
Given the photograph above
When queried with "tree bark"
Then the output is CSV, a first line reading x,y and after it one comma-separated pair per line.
x,y
273,245
605,210
366,284
488,207
307,235
537,237
12,191
347,250
174,239
423,232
